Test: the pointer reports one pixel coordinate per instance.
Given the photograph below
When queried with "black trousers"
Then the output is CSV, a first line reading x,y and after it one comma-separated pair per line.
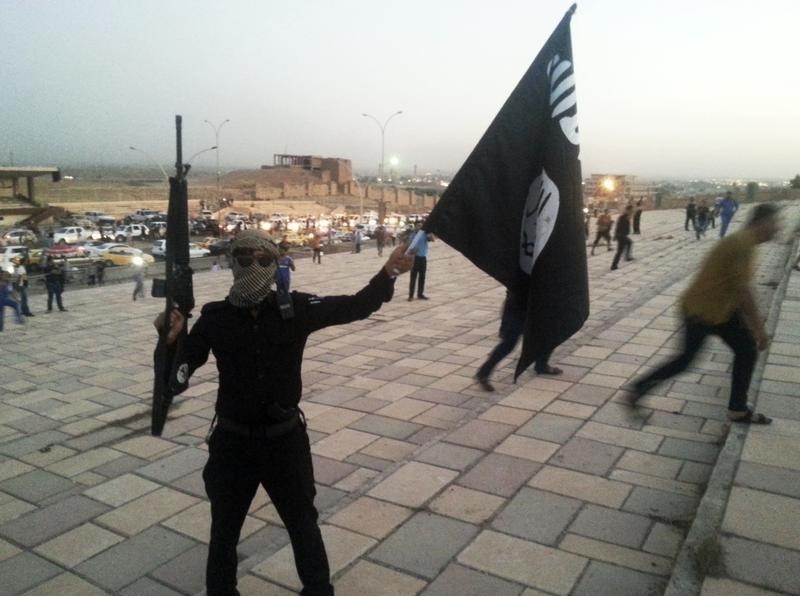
x,y
689,219
623,245
602,235
732,332
236,466
418,273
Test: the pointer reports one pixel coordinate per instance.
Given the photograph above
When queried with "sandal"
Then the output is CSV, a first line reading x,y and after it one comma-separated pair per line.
x,y
751,417
550,370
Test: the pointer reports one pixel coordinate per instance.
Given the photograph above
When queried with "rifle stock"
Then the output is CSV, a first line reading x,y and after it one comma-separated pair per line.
x,y
177,290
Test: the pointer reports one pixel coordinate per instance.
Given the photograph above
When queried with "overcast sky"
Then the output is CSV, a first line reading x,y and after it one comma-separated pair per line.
x,y
679,88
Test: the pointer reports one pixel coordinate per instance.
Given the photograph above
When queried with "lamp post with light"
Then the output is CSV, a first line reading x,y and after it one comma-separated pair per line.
x,y
383,137
216,146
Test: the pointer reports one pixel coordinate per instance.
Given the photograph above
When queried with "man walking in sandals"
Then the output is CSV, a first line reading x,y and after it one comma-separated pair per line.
x,y
719,301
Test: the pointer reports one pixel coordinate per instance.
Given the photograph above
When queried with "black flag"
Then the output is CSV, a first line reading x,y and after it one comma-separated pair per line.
x,y
515,208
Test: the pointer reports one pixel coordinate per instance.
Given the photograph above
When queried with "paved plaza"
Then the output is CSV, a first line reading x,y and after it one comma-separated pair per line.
x,y
426,484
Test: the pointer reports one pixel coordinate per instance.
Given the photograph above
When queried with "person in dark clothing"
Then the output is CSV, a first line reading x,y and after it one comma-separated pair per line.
x,y
54,279
622,236
701,221
512,325
260,436
603,226
637,217
691,213
138,288
420,268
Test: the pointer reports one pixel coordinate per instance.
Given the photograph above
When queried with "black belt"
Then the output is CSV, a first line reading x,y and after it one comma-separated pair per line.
x,y
264,431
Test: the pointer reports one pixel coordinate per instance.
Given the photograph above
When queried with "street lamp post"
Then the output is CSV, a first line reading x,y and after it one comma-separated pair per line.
x,y
151,158
383,130
216,146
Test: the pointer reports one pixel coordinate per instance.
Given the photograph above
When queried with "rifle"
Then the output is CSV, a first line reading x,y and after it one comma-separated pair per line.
x,y
170,379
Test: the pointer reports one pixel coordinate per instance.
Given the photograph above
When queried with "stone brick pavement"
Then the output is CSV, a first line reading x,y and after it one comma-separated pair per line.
x,y
426,484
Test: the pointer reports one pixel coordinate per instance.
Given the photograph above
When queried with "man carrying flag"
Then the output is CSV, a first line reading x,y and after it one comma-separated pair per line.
x,y
515,208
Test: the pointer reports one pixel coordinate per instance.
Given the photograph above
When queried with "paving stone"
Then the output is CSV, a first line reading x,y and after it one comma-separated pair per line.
x,y
424,544
623,437
11,468
524,562
602,579
676,421
664,540
480,434
66,584
174,466
330,471
145,586
446,455
592,395
185,573
413,484
782,451
691,450
527,448
367,461
75,546
660,504
328,498
611,525
550,427
147,510
103,436
36,486
499,474
617,555
127,561
7,550
769,478
695,472
264,542
764,517
371,517
121,490
25,571
342,443
31,443
722,586
648,463
761,564
343,547
119,466
385,426
43,524
587,456
366,577
14,508
469,505
582,486
195,521
390,449
457,579
506,415
537,515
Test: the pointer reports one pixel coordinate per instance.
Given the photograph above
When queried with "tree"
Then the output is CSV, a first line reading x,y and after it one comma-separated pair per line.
x,y
751,189
795,182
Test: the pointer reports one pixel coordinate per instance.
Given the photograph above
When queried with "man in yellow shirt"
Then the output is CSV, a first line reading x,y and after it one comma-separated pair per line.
x,y
720,302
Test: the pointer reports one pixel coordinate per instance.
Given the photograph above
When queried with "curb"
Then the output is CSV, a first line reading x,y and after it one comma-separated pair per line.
x,y
687,578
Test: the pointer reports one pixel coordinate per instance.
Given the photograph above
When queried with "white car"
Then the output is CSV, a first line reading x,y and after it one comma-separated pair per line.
x,y
9,256
132,230
71,234
20,236
159,249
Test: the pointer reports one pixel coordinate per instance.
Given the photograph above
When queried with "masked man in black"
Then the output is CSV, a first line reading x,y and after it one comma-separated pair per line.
x,y
257,336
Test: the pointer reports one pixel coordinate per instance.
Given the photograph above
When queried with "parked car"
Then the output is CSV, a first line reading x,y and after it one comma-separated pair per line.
x,y
106,246
10,255
159,249
131,230
220,247
20,236
71,234
141,215
126,256
62,249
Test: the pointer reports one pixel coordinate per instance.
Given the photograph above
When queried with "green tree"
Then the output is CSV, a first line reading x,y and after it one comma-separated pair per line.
x,y
795,182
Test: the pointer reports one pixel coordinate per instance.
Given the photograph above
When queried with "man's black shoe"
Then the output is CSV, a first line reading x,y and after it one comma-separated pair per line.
x,y
639,389
410,298
422,297
614,268
484,383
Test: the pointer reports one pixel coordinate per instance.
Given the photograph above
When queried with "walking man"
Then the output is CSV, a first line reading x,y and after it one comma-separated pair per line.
x,y
7,300
260,436
622,235
691,213
21,285
720,302
420,267
727,208
512,324
54,278
380,238
701,221
637,217
603,227
138,278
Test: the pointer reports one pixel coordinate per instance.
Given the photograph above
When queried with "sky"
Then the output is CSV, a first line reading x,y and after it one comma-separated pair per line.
x,y
700,88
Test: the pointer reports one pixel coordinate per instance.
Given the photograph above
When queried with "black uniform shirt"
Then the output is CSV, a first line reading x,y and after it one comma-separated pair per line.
x,y
259,358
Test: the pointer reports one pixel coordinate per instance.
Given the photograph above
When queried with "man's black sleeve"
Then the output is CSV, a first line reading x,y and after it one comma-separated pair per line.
x,y
336,310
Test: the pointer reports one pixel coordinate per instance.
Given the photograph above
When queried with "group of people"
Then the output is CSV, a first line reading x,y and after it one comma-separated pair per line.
x,y
701,216
14,288
622,232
